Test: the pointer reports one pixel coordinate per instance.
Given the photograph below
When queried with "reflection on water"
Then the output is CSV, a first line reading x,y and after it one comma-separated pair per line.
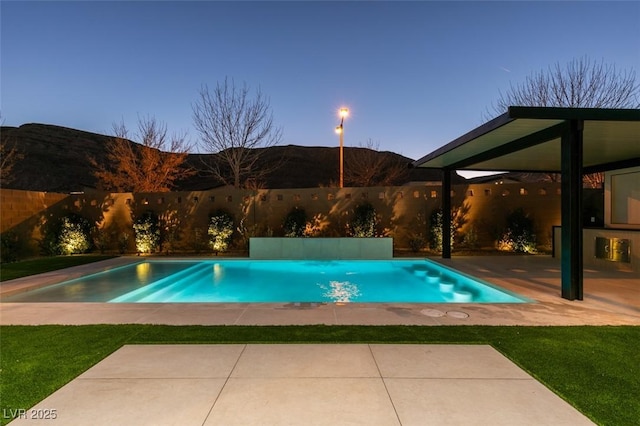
x,y
341,291
142,271
218,272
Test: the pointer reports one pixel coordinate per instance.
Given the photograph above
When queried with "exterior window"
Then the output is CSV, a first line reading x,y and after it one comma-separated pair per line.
x,y
229,198
279,197
487,192
330,196
381,196
212,198
314,196
470,193
263,198
416,194
179,200
523,191
505,193
542,191
434,194
160,200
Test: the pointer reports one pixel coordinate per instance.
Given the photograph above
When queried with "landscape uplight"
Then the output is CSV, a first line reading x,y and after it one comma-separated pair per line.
x,y
344,112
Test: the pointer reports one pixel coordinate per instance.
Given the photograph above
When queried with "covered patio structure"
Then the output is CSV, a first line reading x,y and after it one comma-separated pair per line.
x,y
569,141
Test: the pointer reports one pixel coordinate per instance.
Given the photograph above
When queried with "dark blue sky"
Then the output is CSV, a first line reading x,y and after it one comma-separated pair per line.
x,y
415,75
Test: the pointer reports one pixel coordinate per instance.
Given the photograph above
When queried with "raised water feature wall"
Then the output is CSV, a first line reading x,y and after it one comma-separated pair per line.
x,y
321,248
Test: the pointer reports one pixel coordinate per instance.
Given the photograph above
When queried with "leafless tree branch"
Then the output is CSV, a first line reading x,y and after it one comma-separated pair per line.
x,y
233,125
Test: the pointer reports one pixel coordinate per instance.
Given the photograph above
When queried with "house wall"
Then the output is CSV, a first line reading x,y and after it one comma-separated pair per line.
x,y
622,198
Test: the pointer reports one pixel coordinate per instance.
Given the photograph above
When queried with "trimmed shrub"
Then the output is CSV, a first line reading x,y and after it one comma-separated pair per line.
x,y
147,232
435,230
295,223
75,235
220,230
417,242
70,234
11,247
518,235
364,221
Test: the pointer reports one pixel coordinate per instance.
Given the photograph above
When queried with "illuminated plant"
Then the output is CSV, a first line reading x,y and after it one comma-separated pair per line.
x,y
147,233
364,222
518,235
75,235
417,242
220,231
435,230
295,223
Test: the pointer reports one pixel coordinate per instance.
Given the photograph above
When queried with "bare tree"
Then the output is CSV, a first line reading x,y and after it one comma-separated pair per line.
x,y
582,83
234,126
9,156
593,180
151,166
366,166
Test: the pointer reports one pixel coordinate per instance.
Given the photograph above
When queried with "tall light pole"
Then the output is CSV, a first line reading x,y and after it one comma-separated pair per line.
x,y
340,130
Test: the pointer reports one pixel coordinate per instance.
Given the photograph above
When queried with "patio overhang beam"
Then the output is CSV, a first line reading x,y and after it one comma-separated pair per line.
x,y
533,139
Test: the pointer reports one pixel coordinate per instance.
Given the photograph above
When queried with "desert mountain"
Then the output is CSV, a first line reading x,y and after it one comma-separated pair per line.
x,y
55,159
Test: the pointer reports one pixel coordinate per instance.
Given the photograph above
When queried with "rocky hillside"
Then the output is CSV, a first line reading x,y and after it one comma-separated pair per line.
x,y
55,159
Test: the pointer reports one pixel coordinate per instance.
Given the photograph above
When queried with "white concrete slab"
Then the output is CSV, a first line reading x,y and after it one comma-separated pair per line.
x,y
495,402
124,402
444,361
303,401
167,361
305,361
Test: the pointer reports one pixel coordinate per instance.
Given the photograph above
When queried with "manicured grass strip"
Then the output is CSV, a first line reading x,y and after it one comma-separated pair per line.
x,y
10,271
593,368
596,369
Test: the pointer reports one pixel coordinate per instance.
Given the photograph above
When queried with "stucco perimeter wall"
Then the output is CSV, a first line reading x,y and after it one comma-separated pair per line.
x,y
22,206
403,211
321,248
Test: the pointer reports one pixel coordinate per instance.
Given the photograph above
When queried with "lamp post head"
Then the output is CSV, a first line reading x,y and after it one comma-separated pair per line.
x,y
344,112
339,129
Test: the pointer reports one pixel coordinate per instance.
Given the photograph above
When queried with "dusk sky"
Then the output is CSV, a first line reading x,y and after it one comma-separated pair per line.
x,y
415,75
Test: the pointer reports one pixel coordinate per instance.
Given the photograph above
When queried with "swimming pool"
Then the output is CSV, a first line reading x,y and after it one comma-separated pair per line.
x,y
273,281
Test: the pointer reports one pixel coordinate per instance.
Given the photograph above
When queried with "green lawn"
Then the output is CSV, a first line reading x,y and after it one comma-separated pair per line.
x,y
10,271
596,369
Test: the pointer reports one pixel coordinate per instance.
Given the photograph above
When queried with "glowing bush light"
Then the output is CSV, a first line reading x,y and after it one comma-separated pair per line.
x,y
364,222
518,235
147,233
220,231
295,223
74,235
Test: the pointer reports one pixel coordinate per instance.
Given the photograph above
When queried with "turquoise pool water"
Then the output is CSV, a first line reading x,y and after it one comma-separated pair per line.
x,y
243,281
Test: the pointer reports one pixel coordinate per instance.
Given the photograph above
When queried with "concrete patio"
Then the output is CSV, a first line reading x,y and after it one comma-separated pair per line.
x,y
306,385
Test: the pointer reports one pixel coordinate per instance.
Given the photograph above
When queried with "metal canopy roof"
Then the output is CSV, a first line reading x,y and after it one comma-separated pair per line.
x,y
528,139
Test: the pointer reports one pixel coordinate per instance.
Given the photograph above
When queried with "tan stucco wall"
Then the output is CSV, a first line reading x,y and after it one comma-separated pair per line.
x,y
402,210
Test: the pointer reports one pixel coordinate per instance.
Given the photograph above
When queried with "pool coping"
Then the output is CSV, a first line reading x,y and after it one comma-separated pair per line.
x,y
535,277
